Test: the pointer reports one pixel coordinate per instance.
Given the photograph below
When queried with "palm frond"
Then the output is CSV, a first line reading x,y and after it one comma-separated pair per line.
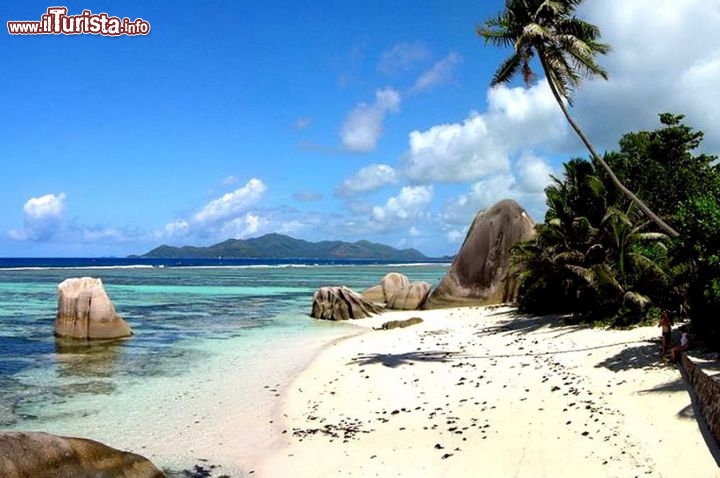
x,y
583,273
651,236
552,9
497,32
606,276
568,258
507,70
559,71
636,299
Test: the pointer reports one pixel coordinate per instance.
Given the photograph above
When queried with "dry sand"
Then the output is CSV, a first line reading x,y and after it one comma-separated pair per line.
x,y
484,392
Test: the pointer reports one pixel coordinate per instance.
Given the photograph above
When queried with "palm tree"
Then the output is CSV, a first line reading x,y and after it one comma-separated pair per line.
x,y
566,47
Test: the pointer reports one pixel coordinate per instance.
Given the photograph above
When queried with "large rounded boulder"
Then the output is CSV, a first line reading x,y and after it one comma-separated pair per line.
x,y
391,284
86,312
341,303
42,455
410,297
480,273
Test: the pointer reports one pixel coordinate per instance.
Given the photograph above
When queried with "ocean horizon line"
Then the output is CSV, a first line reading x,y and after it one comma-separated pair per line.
x,y
46,263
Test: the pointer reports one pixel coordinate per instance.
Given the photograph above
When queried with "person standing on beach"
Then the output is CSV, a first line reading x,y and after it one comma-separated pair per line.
x,y
665,324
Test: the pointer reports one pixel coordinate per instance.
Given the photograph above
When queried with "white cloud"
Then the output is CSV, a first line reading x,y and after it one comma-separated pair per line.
x,y
517,119
533,174
414,232
403,57
440,74
42,218
455,236
177,228
231,204
665,57
363,126
454,152
526,184
368,179
410,203
226,216
243,226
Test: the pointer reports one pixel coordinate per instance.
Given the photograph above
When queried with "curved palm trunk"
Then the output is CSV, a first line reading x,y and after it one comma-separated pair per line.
x,y
643,207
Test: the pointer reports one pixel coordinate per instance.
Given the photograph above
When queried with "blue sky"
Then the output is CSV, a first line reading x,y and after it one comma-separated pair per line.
x,y
321,120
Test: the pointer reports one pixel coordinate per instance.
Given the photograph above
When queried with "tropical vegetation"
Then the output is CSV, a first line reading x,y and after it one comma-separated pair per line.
x,y
565,46
601,253
596,256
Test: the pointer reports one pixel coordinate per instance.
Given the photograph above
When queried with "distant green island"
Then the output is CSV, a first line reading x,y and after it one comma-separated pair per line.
x,y
279,246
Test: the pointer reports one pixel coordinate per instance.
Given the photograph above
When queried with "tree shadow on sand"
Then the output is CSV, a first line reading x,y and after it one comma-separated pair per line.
x,y
409,358
645,356
521,323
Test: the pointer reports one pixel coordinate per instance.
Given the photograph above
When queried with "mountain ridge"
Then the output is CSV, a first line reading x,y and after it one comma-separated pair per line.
x,y
280,246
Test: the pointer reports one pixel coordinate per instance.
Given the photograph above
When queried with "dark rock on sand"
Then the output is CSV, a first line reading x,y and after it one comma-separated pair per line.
x,y
480,275
42,455
86,312
394,324
341,303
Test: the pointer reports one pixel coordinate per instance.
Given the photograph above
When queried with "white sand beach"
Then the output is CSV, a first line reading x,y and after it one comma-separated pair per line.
x,y
484,392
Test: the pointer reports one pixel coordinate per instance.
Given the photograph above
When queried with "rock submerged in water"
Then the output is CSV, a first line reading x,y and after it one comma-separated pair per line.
x,y
479,275
42,455
341,303
86,312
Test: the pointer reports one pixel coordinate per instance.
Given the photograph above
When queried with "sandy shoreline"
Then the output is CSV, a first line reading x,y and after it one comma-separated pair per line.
x,y
481,392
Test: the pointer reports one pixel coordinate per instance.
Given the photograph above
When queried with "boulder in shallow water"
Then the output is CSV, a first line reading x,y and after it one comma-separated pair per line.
x,y
86,312
341,303
42,455
480,273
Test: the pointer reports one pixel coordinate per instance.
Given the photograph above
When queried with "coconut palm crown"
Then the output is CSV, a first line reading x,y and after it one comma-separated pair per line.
x,y
566,47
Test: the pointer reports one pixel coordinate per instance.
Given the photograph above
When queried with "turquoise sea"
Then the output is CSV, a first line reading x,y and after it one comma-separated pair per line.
x,y
205,332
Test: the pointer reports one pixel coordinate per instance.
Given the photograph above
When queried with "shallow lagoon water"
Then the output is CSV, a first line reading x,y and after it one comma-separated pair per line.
x,y
222,337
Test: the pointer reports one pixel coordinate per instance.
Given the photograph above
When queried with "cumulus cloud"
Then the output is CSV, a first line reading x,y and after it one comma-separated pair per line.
x,y
517,119
42,218
403,57
228,215
666,57
455,236
368,179
526,183
229,205
362,128
440,74
410,203
533,174
244,226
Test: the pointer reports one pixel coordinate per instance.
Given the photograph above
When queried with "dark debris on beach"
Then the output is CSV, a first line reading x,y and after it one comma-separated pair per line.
x,y
346,429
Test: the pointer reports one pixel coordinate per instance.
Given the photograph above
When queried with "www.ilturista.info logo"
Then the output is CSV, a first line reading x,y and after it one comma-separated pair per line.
x,y
57,22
